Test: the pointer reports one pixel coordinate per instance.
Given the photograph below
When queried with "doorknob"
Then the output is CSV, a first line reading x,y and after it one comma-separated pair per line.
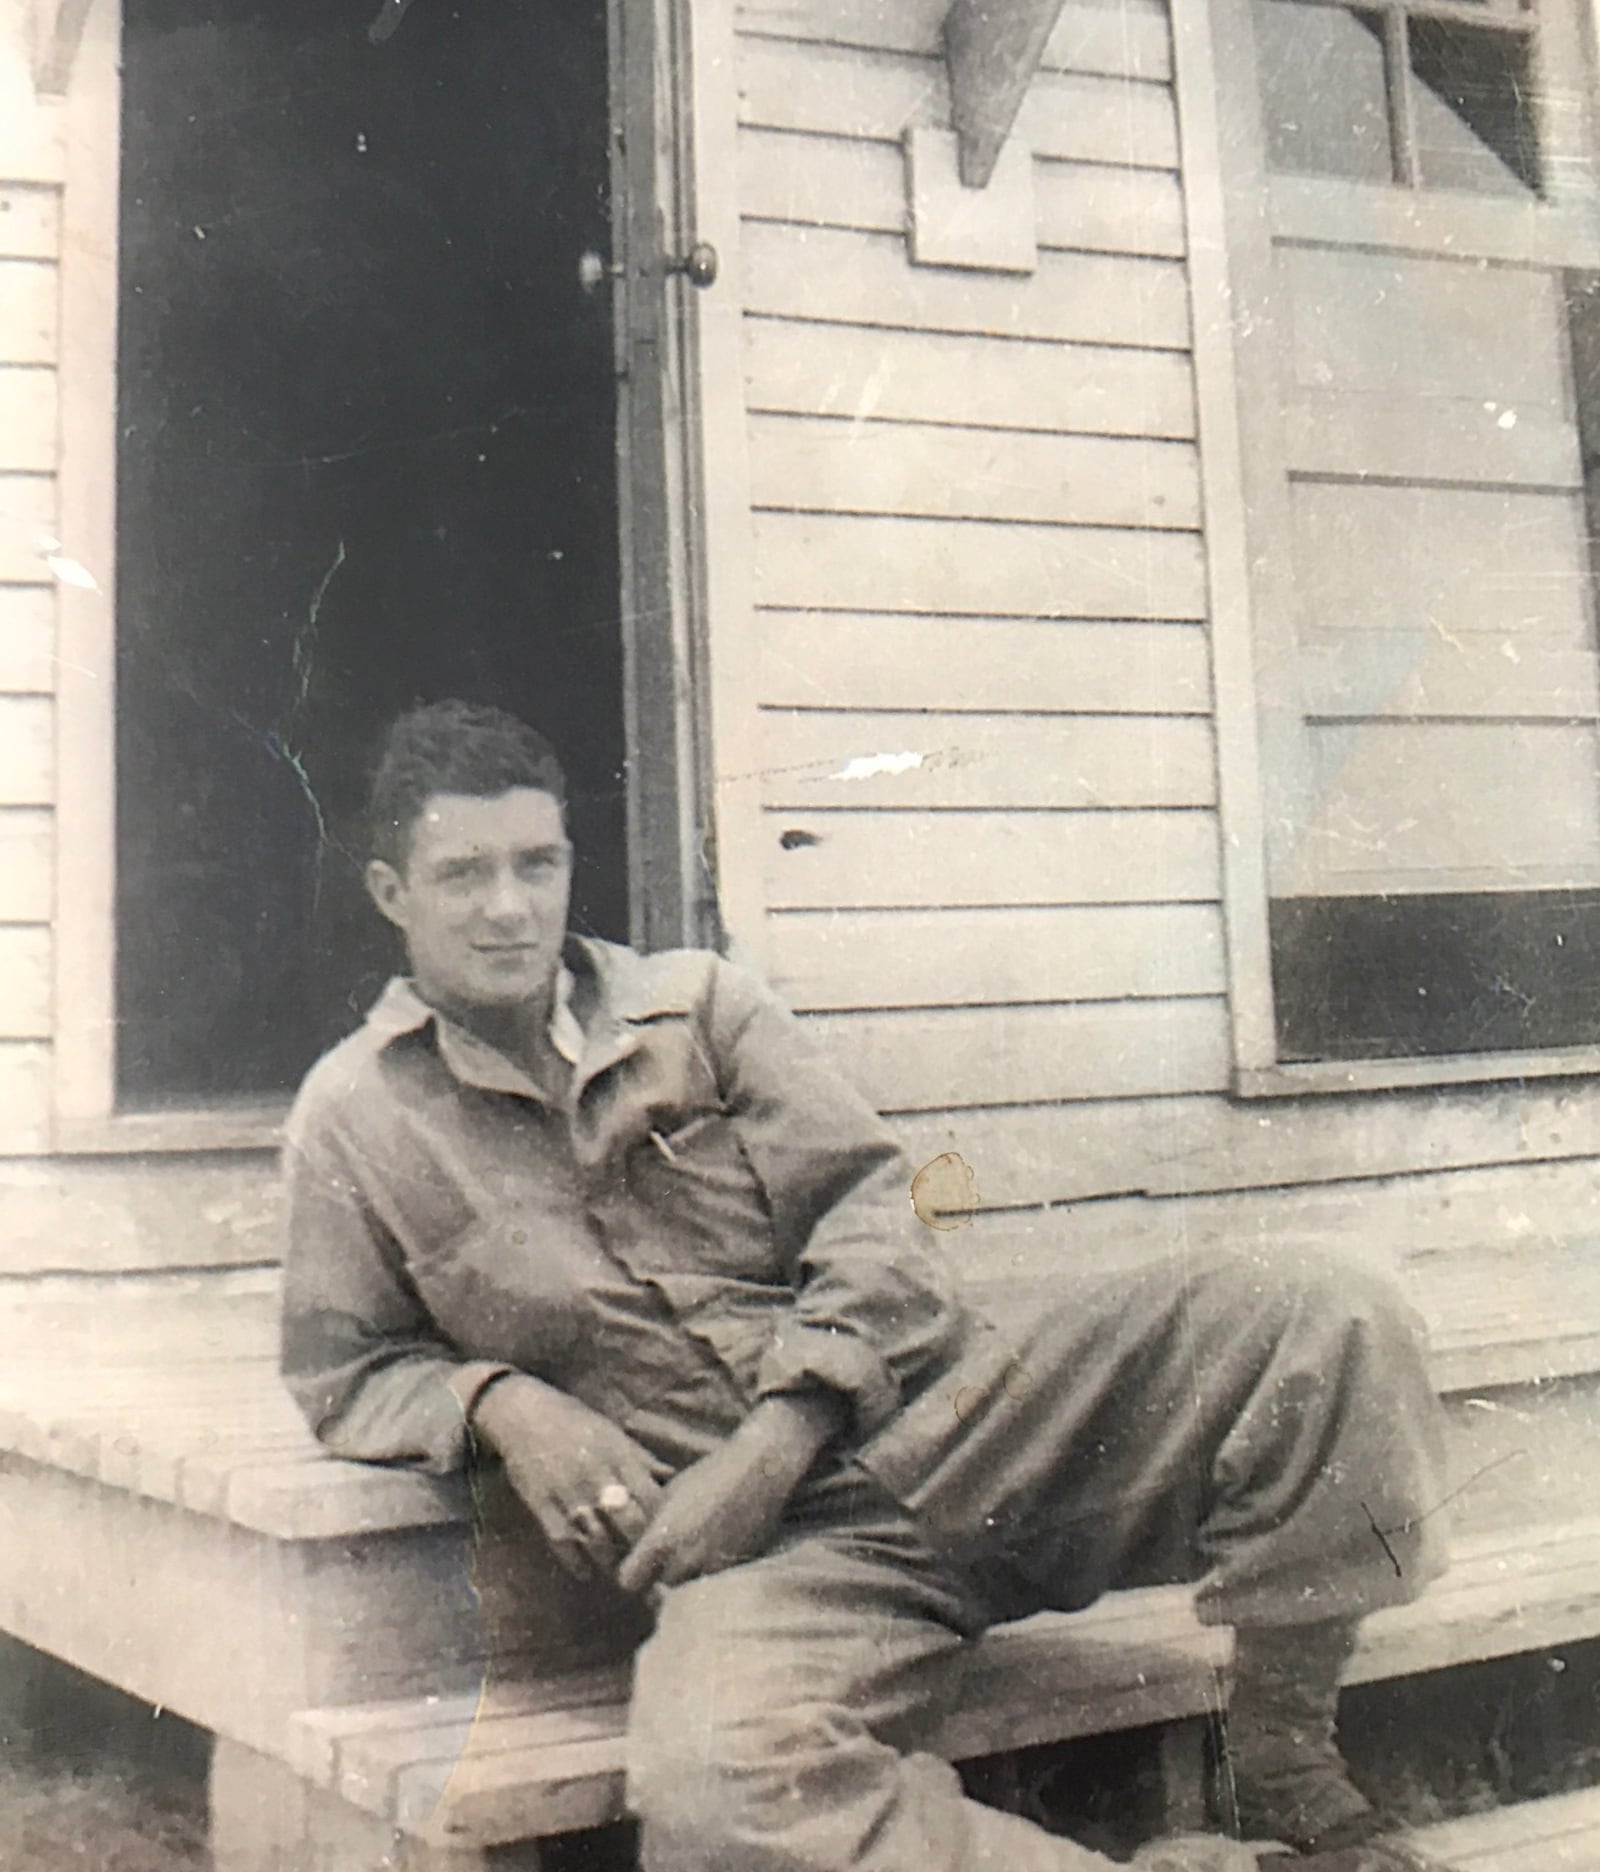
x,y
698,266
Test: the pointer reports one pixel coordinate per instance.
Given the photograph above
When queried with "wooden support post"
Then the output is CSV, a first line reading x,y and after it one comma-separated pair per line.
x,y
60,33
1183,1775
265,1818
992,49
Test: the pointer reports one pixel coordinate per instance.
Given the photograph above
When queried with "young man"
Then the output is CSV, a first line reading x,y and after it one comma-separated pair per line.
x,y
609,1215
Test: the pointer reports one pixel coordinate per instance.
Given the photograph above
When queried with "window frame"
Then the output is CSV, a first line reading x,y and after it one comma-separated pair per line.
x,y
1237,208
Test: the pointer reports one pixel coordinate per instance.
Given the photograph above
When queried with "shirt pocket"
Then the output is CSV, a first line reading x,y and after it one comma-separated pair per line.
x,y
706,1208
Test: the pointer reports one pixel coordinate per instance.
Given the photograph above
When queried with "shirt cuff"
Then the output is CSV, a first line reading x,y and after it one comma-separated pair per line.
x,y
469,1381
802,1358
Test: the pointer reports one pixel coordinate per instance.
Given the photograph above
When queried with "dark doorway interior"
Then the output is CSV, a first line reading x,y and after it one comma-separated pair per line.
x,y
366,457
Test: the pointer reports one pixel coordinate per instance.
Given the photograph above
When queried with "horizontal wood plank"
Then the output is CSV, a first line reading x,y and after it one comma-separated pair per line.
x,y
843,370
936,1057
1445,563
27,865
1560,1833
24,1097
27,418
25,987
1401,437
835,91
976,568
27,639
1420,673
1131,39
1385,324
845,183
837,758
1053,1154
27,518
825,465
1433,804
873,661
865,860
27,750
857,959
29,301
836,276
30,221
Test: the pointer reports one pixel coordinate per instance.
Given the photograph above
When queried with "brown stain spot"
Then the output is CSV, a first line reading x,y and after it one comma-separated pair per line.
x,y
944,1192
798,839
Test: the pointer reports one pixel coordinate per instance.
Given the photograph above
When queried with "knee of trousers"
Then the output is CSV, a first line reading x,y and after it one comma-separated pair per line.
x,y
1319,1289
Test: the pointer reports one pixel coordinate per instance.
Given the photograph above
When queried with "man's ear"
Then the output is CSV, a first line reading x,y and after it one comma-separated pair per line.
x,y
387,889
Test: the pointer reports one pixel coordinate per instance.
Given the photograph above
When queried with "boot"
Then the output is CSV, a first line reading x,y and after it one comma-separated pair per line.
x,y
1282,1776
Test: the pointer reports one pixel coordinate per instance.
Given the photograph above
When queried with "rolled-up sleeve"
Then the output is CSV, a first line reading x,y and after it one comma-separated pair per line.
x,y
876,1312
361,1358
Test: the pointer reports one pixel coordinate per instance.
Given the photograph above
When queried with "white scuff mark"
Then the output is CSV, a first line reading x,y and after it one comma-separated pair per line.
x,y
1507,419
65,569
870,766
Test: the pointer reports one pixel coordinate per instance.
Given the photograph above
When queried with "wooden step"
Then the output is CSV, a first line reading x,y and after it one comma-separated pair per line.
x,y
524,1761
1559,1834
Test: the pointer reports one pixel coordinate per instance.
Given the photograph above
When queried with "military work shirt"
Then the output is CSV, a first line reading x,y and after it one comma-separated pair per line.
x,y
707,1216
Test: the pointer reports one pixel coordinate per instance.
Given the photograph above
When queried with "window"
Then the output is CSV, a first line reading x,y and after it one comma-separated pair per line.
x,y
1413,878
1432,96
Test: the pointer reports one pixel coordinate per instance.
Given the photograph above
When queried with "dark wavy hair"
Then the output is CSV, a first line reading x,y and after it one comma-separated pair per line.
x,y
453,747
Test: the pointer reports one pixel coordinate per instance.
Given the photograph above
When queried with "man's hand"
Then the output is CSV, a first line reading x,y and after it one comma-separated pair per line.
x,y
589,1486
725,1507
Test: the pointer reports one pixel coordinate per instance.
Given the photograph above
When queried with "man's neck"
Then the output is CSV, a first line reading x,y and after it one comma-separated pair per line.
x,y
522,1033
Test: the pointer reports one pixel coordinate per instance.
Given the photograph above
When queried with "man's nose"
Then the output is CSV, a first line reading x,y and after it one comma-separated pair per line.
x,y
508,898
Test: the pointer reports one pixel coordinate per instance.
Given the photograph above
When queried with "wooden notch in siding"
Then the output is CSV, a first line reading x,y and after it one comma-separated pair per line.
x,y
835,276
1001,1056
1084,389
874,661
880,96
822,465
853,959
840,562
930,860
836,757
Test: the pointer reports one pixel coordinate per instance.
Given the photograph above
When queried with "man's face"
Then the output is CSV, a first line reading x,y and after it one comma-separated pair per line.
x,y
482,900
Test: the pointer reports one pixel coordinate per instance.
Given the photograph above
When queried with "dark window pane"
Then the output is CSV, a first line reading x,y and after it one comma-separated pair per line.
x,y
366,459
1474,113
1324,96
1420,976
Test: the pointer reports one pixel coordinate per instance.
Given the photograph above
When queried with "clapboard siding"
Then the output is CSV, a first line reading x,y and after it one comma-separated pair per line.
x,y
840,277
932,958
28,419
30,221
976,568
836,757
27,750
1131,39
24,1096
25,963
833,465
27,639
937,1057
839,370
874,661
26,857
29,294
1064,1153
832,91
27,516
866,860
841,182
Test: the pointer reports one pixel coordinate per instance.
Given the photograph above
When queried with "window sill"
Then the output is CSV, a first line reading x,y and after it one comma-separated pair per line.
x,y
252,1127
1440,222
1313,1077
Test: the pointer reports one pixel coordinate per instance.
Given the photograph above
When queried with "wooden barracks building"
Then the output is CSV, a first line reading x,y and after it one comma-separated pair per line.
x,y
1061,528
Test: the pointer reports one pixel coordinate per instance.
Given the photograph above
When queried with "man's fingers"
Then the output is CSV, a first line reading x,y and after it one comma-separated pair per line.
x,y
645,1566
627,1519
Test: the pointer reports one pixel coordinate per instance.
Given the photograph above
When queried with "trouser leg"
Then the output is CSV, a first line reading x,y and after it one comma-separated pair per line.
x,y
1262,1422
771,1709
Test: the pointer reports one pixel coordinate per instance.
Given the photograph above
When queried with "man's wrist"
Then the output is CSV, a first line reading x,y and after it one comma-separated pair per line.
x,y
792,1428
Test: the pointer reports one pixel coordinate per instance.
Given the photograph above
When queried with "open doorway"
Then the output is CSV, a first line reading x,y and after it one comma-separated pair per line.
x,y
366,457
